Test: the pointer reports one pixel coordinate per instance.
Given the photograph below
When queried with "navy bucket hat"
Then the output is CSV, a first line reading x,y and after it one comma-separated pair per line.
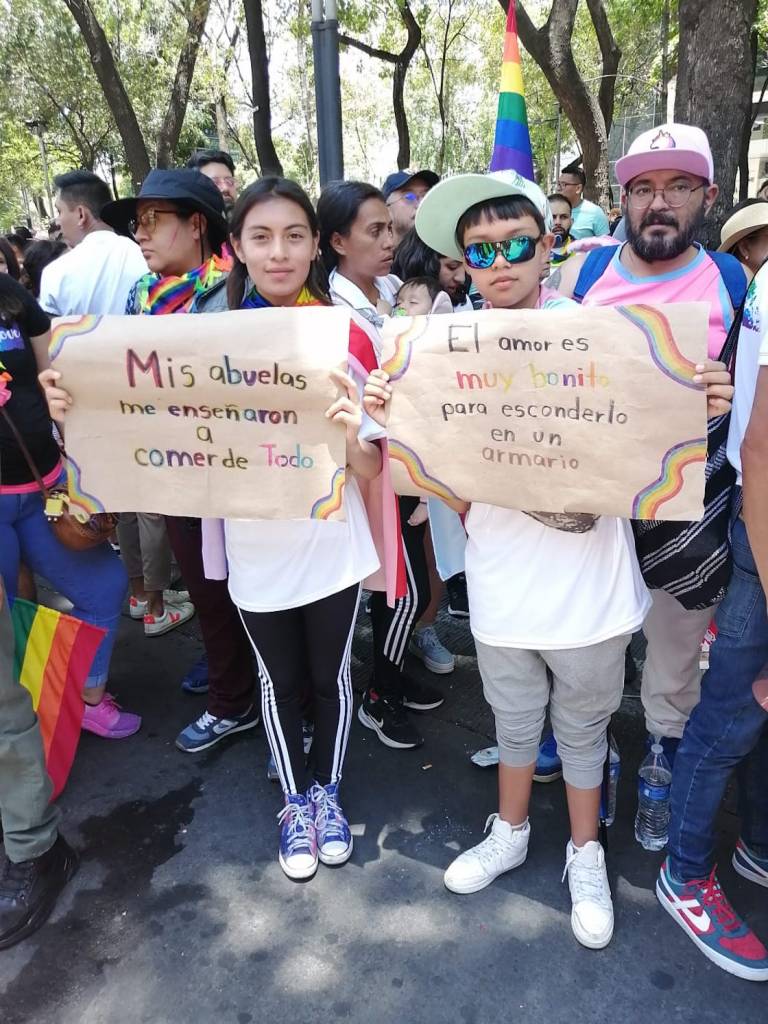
x,y
190,189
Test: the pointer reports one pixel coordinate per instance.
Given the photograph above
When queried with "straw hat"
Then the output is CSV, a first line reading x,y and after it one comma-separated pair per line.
x,y
744,222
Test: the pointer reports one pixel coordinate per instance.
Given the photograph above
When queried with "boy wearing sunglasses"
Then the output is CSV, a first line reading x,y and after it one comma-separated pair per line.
x,y
551,632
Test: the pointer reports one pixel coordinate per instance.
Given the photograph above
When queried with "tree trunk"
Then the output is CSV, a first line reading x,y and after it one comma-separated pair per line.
x,y
262,111
714,87
591,115
170,130
665,62
222,130
114,91
401,63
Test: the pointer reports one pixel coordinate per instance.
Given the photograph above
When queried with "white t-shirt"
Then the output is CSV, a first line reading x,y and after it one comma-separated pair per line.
x,y
538,588
751,353
276,564
345,293
95,277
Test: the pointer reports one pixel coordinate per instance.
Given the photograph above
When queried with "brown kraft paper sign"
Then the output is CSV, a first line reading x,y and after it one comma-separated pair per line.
x,y
205,415
588,410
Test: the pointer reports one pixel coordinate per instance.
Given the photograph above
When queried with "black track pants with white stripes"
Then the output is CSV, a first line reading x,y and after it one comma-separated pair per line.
x,y
296,650
393,627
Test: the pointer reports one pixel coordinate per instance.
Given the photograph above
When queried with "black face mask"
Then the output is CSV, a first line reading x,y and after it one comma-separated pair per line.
x,y
660,248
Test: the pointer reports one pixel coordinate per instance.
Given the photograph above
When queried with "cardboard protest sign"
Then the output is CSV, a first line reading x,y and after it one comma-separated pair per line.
x,y
566,410
207,415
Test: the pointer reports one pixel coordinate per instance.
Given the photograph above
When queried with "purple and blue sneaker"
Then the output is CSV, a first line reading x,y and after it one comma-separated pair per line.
x,y
334,838
298,841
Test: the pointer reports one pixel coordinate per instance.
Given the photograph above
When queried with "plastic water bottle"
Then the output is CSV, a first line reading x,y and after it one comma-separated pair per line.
x,y
654,779
614,771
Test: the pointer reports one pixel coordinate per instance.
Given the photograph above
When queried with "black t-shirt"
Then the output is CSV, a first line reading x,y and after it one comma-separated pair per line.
x,y
18,371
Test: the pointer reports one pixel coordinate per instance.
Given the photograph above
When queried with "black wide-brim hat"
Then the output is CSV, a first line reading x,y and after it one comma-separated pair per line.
x,y
190,189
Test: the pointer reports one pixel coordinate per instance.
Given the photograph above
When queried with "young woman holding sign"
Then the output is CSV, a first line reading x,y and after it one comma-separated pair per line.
x,y
297,582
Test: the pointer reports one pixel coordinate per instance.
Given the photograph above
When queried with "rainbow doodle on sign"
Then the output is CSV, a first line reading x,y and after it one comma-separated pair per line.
x,y
71,329
397,364
81,504
324,507
415,468
670,481
661,342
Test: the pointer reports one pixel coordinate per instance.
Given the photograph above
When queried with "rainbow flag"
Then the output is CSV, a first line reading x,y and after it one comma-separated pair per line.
x,y
512,145
53,654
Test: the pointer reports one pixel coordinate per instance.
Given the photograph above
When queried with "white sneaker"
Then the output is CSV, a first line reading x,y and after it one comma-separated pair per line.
x,y
505,848
173,616
138,608
592,914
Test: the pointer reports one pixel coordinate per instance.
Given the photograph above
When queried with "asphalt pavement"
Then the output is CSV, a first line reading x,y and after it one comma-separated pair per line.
x,y
180,913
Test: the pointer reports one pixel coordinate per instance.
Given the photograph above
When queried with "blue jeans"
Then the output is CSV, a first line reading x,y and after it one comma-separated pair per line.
x,y
94,580
727,726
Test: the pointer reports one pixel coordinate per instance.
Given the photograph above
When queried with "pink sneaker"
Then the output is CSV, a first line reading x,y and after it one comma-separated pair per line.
x,y
107,720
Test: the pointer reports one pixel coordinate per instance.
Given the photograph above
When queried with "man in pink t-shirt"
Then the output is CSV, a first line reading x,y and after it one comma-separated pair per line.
x,y
667,177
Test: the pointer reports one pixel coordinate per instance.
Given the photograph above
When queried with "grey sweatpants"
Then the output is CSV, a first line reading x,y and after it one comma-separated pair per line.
x,y
586,688
671,685
29,819
145,548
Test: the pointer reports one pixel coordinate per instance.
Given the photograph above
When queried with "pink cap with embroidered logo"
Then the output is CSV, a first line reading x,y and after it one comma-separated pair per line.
x,y
668,147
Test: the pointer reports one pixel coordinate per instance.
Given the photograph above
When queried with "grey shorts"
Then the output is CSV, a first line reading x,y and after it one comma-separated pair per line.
x,y
585,690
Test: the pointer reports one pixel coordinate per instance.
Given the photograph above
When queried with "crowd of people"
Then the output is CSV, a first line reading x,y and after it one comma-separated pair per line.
x,y
277,600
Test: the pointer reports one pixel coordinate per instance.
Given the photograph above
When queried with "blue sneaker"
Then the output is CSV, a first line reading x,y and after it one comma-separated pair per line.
x,y
747,863
208,730
334,839
711,923
425,645
298,841
308,734
196,679
549,767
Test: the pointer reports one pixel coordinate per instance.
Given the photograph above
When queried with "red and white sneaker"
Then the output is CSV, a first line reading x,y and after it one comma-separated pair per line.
x,y
173,616
107,719
708,919
138,608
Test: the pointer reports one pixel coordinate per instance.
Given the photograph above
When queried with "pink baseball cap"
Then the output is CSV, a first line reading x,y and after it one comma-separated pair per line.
x,y
668,147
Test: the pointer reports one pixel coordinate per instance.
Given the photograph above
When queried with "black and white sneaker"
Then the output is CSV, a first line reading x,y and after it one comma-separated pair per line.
x,y
387,718
458,603
419,696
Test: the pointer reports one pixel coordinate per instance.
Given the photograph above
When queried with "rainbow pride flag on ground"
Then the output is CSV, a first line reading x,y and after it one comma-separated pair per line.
x,y
512,145
53,654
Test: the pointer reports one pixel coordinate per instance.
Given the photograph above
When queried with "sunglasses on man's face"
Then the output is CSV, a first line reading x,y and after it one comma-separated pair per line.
x,y
520,249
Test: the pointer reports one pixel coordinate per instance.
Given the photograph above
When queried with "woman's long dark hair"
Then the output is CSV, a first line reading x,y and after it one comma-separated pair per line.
x,y
337,210
11,305
10,258
261,192
414,258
